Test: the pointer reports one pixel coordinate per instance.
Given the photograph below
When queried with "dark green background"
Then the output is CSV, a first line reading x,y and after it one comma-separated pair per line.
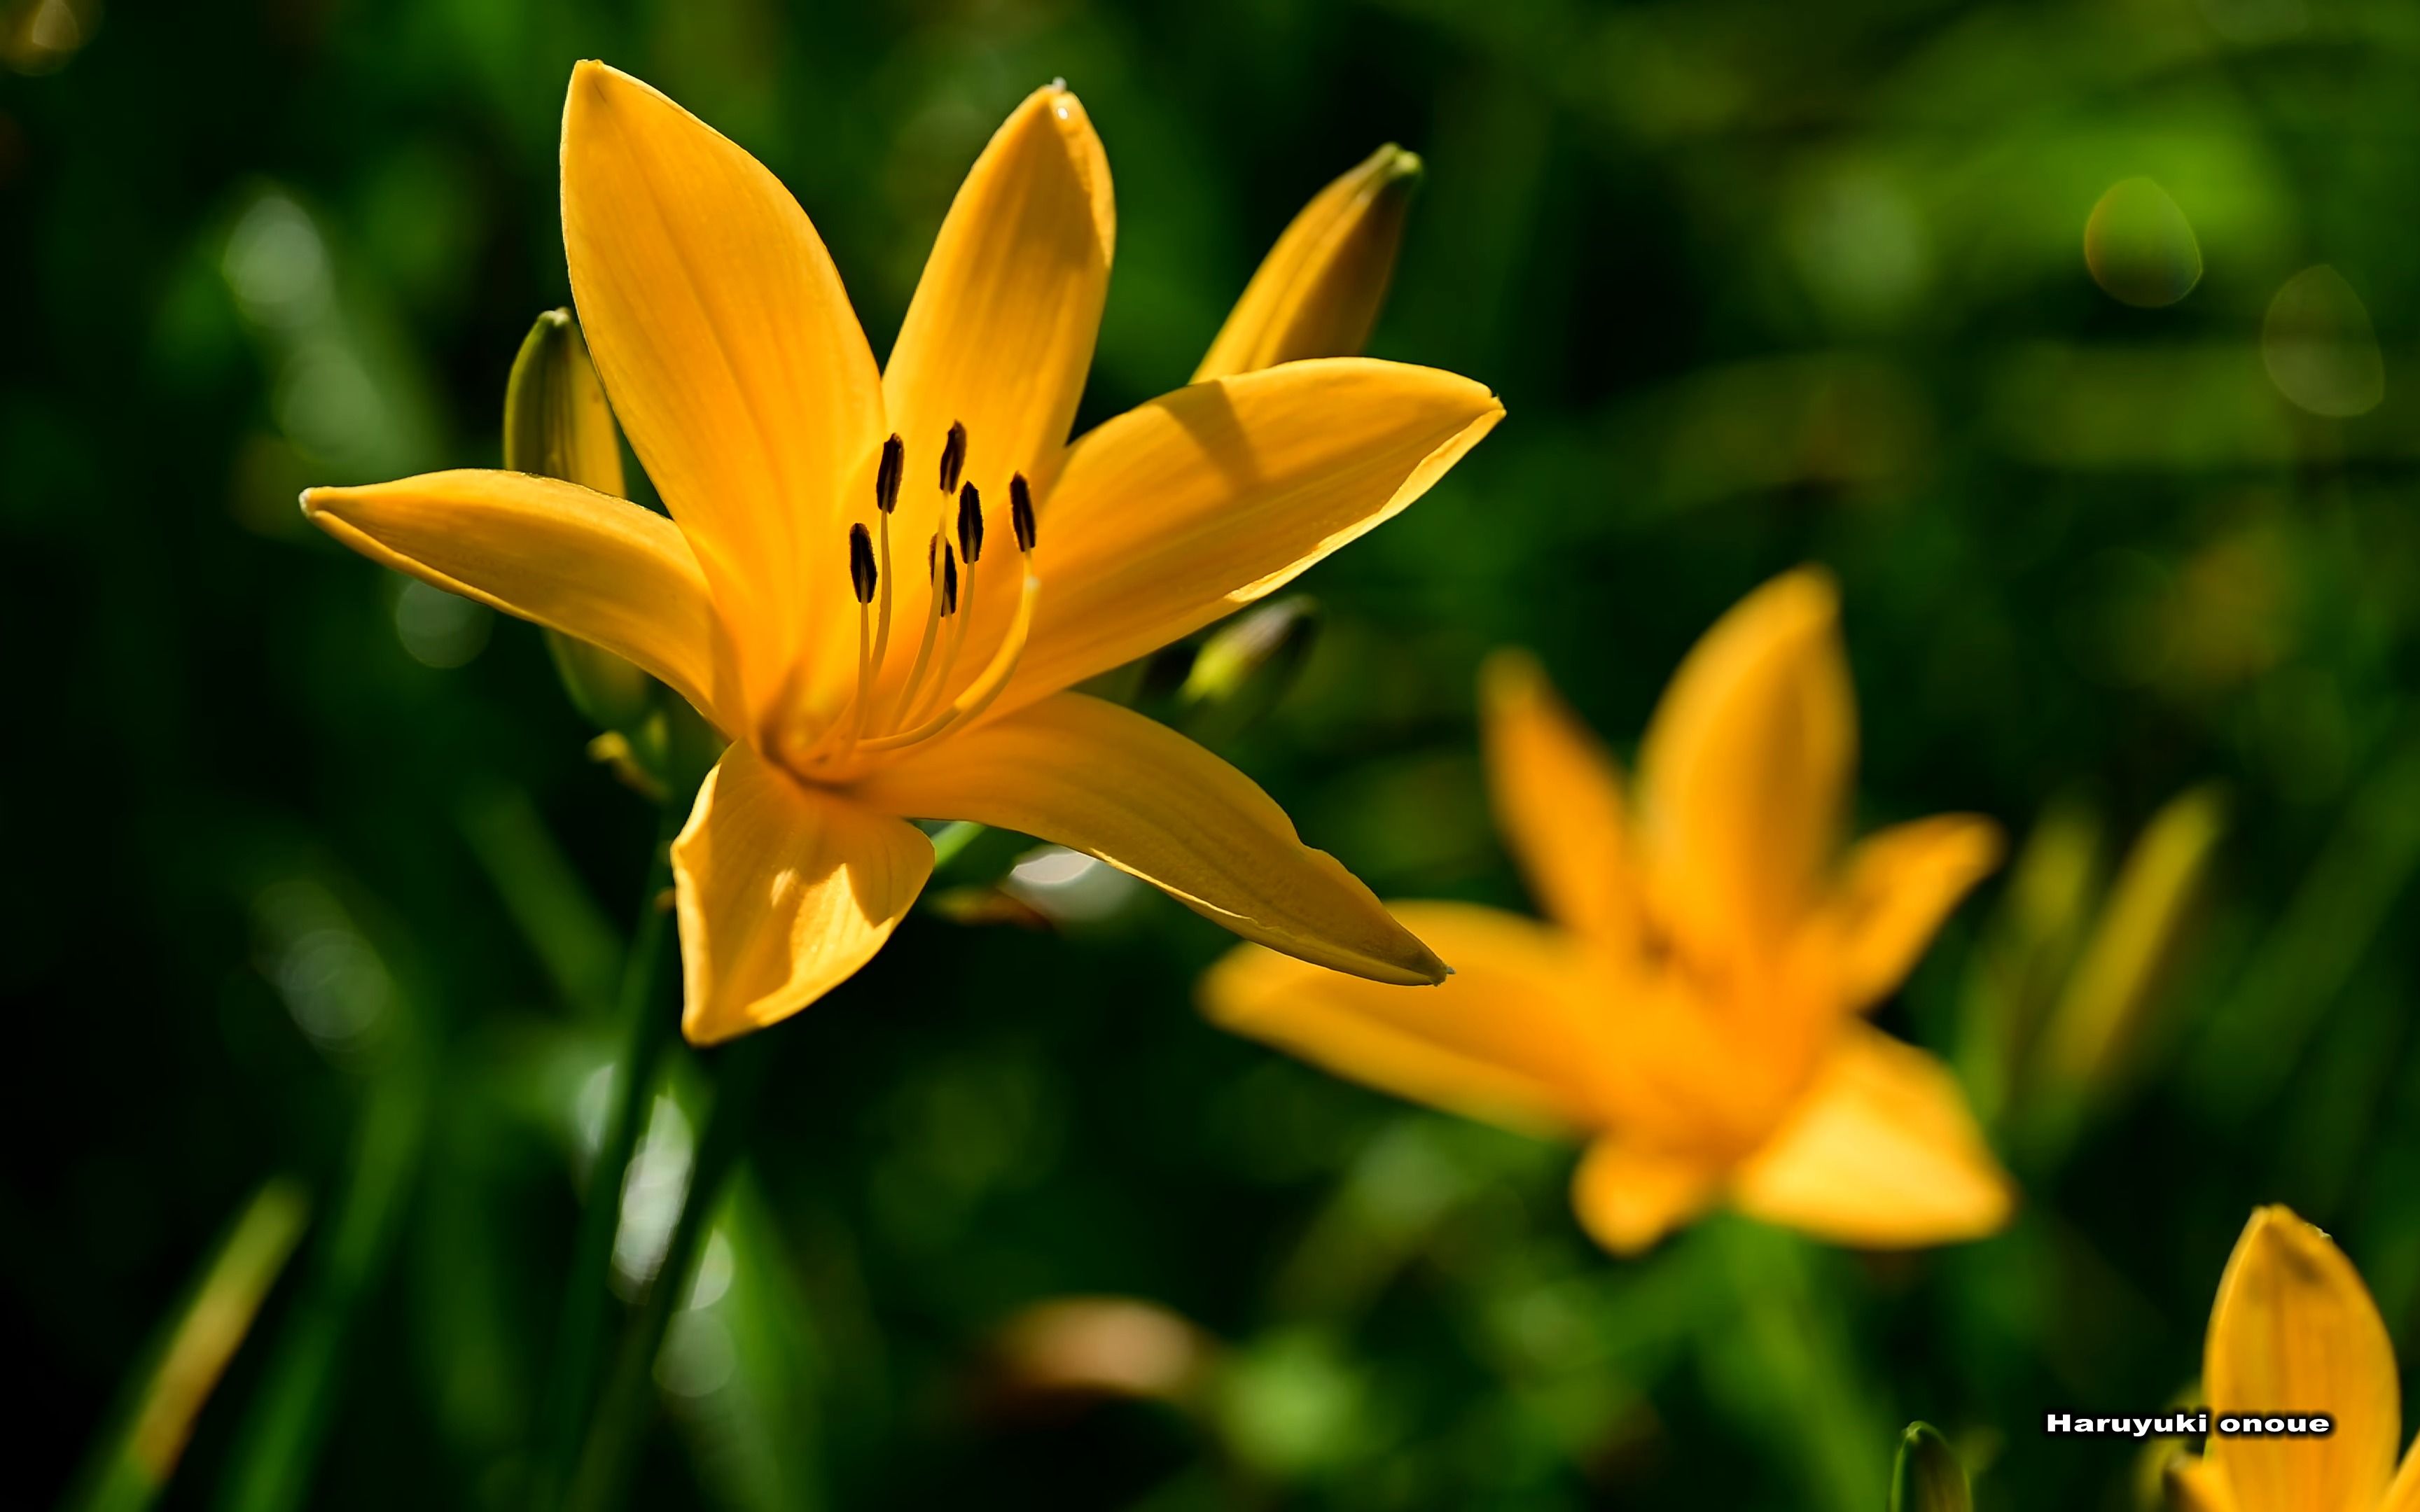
x,y
1758,282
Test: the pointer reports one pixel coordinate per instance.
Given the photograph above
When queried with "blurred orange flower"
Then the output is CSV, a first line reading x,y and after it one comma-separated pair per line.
x,y
770,597
1693,1008
2294,1331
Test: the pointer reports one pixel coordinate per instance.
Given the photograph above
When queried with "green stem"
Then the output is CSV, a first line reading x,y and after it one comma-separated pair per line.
x,y
647,1029
618,1431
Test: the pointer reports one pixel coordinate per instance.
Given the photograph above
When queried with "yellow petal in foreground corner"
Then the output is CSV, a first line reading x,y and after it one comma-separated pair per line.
x,y
1691,1010
877,582
2294,1331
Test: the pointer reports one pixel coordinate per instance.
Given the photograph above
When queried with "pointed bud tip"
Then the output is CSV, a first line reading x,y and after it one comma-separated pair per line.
x,y
1393,164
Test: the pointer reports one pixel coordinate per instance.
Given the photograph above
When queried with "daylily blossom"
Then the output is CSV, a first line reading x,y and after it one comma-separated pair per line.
x,y
1693,1008
880,582
2294,1331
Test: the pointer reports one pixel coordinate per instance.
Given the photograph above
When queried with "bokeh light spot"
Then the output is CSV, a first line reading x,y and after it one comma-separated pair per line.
x,y
2319,348
441,630
2139,246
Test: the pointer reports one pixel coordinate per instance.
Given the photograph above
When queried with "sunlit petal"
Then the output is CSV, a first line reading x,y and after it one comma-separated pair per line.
x,y
1629,1194
783,891
1000,335
1557,799
586,563
732,359
1174,514
2295,1330
1101,779
1513,1036
1882,1152
1900,884
1745,767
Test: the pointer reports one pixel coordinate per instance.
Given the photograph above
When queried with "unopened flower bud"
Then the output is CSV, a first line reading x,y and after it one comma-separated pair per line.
x,y
1246,666
1927,1477
1318,292
557,424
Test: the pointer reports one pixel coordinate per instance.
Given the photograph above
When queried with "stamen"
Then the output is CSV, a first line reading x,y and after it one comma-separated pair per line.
x,y
954,456
886,477
983,689
864,673
1020,511
862,575
932,624
970,524
961,609
882,630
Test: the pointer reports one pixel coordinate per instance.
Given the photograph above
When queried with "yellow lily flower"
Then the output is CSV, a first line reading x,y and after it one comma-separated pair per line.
x,y
1692,1007
2294,1331
862,686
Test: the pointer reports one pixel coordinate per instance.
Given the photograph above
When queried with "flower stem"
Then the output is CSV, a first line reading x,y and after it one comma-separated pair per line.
x,y
648,1028
734,1074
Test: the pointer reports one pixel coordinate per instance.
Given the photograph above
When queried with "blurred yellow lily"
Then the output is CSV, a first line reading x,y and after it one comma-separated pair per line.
x,y
860,687
2294,1331
1693,1008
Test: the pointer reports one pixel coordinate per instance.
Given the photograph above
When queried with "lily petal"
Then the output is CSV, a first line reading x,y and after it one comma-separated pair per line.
x,y
1509,1037
1630,1194
2295,1330
1318,291
586,563
1901,883
1882,1152
1177,513
2195,1484
734,361
1557,799
1000,335
1745,767
1107,781
2404,1496
784,890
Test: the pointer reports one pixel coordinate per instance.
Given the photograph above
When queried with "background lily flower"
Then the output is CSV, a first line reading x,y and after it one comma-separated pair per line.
x,y
2293,1330
1693,1005
864,680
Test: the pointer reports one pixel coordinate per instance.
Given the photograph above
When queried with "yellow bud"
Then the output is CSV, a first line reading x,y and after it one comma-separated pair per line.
x,y
1319,290
557,424
1928,1477
556,421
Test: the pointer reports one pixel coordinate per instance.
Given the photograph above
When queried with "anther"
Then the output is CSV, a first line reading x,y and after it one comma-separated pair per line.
x,y
862,576
885,478
949,581
969,524
1020,511
954,456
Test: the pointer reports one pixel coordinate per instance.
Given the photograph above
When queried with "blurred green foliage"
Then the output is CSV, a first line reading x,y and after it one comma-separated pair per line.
x,y
2077,338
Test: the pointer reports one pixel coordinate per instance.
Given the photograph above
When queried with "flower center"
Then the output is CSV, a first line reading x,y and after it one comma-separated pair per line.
x,y
884,715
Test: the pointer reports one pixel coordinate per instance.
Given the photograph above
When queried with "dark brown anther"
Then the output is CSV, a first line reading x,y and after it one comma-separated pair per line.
x,y
969,524
885,478
949,583
860,562
954,456
1020,511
